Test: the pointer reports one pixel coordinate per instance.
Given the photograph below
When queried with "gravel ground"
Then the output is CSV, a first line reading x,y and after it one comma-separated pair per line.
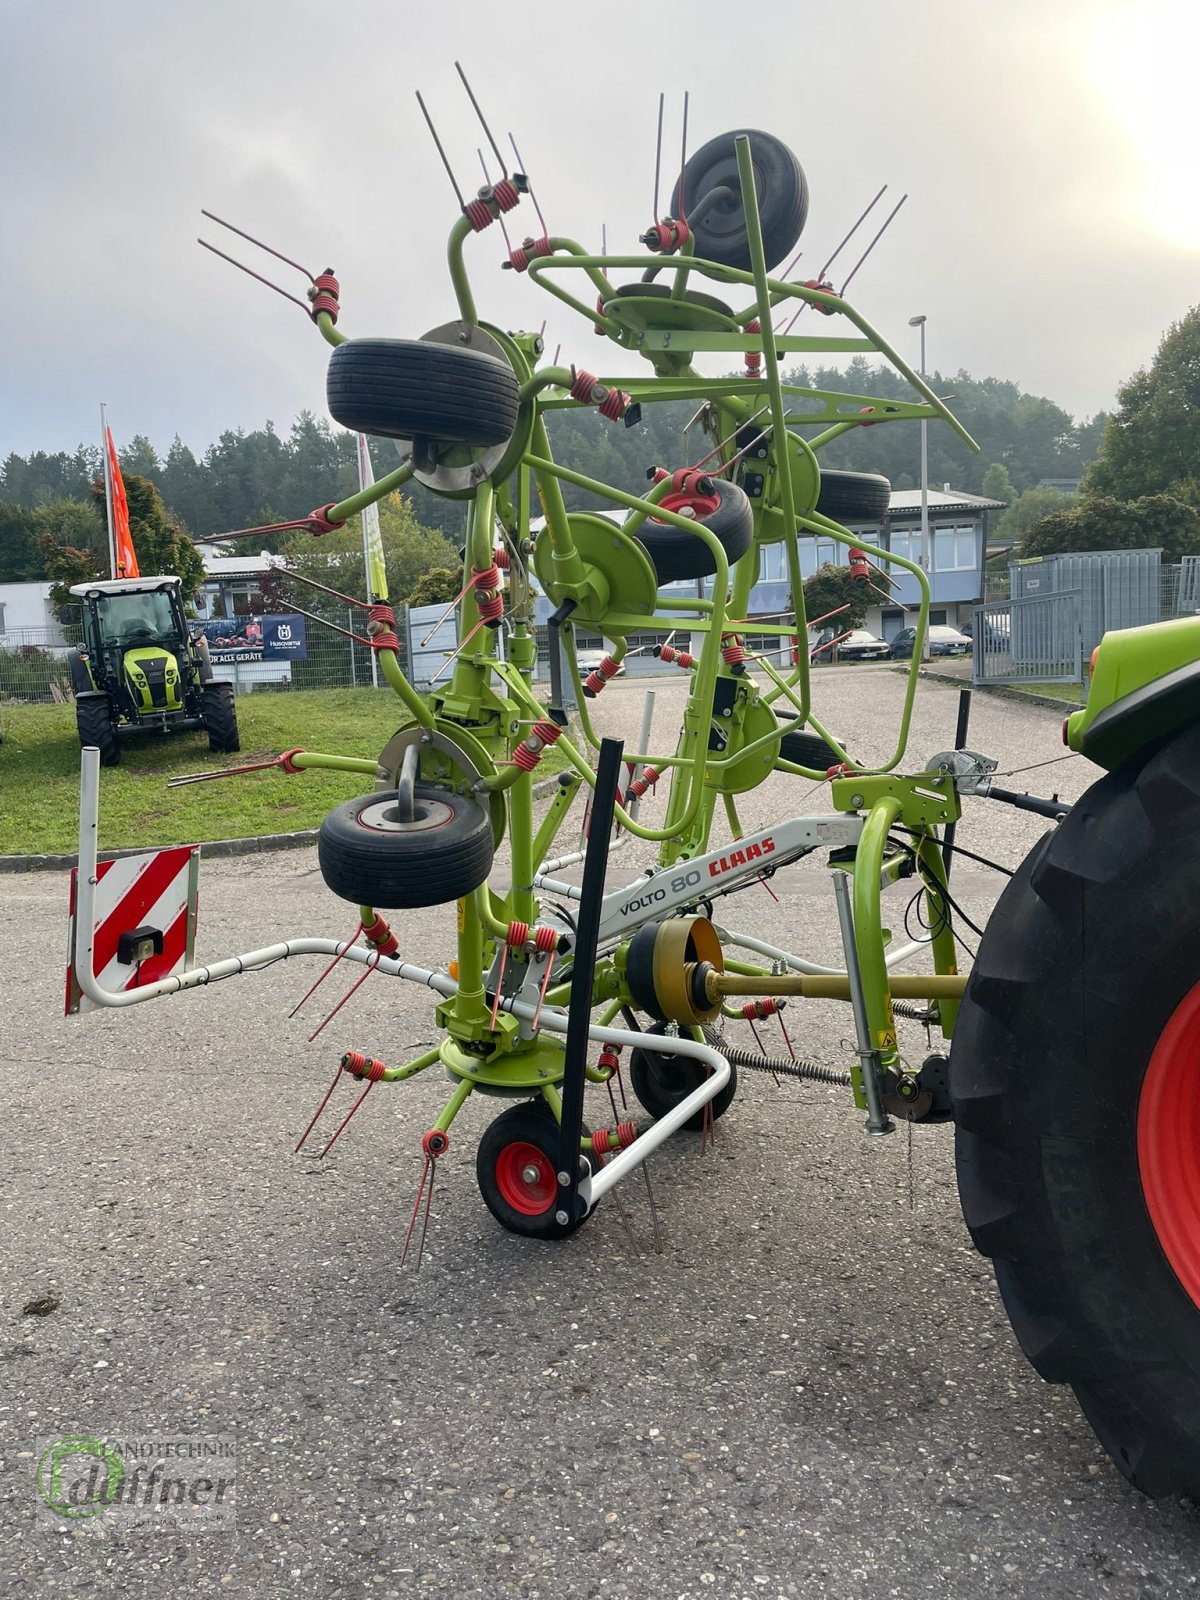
x,y
812,1390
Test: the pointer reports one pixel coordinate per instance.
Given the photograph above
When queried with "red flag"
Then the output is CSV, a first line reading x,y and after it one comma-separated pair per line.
x,y
127,566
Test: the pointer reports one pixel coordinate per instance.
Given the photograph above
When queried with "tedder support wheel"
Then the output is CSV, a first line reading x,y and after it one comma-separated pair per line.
x,y
517,1171
370,855
1075,1078
854,496
719,223
725,512
408,389
661,1080
219,710
93,718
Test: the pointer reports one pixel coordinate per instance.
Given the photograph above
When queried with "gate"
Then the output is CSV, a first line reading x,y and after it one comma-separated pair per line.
x,y
1032,640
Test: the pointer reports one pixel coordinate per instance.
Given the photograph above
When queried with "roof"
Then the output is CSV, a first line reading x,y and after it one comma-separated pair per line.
x,y
942,500
123,585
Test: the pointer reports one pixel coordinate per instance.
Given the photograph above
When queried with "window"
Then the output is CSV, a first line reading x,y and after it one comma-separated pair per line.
x,y
953,549
772,567
906,542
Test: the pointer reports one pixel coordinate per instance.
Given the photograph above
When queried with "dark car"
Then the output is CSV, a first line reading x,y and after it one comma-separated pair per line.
x,y
943,641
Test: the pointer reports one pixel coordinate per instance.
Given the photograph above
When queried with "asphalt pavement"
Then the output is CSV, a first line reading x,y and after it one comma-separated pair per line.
x,y
812,1390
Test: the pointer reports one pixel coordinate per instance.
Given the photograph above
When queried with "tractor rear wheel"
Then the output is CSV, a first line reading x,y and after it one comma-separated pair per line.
x,y
1075,1078
219,710
93,718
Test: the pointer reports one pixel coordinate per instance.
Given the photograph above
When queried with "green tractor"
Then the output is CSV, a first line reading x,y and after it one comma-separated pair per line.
x,y
139,669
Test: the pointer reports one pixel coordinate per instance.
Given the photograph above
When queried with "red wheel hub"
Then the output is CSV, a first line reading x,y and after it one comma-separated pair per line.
x,y
526,1178
1169,1141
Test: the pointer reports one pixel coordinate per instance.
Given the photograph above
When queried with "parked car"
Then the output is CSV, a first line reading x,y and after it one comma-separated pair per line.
x,y
860,644
943,641
994,635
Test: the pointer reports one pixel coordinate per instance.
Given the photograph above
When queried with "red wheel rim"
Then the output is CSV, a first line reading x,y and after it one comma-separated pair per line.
x,y
1169,1141
526,1178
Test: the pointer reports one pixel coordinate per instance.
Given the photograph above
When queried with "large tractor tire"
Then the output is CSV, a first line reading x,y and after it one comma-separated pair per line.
x,y
93,718
371,856
218,707
1075,1078
409,389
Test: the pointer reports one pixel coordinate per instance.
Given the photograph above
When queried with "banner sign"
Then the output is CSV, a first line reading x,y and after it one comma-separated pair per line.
x,y
256,639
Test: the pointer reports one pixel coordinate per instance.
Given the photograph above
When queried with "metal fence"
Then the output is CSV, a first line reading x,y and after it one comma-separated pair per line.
x,y
1033,640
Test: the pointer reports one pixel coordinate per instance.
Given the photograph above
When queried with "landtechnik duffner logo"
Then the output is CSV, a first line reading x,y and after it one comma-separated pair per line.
x,y
153,1480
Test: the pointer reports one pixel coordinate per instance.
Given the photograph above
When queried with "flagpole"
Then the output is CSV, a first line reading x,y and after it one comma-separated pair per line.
x,y
370,534
112,535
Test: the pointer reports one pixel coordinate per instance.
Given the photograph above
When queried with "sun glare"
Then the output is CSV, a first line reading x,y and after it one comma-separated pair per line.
x,y
1142,60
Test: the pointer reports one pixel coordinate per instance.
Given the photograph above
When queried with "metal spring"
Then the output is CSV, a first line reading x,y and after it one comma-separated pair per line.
x,y
783,1066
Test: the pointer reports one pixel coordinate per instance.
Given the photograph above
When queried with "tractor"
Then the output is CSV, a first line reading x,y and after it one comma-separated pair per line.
x,y
139,670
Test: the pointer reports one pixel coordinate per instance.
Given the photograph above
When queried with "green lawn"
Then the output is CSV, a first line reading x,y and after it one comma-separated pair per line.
x,y
39,773
1070,693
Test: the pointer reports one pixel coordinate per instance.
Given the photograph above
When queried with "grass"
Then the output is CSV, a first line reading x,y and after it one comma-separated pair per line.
x,y
1070,693
39,773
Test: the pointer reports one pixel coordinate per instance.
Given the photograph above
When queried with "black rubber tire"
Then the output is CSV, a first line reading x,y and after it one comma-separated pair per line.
x,y
807,749
368,857
93,718
218,707
854,496
530,1123
782,189
661,1081
406,389
1089,951
676,554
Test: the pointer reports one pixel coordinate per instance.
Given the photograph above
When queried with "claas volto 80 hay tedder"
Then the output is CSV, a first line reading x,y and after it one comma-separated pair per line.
x,y
1073,1079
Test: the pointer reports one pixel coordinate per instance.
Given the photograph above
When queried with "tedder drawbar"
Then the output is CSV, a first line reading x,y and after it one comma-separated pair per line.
x,y
1074,1075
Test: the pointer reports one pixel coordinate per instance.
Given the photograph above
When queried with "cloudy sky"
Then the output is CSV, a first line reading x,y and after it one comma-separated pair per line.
x,y
1051,232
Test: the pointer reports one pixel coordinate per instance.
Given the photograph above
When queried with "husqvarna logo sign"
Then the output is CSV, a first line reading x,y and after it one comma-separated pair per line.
x,y
284,631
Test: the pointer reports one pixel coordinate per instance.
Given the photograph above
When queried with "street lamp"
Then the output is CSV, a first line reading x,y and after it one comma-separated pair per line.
x,y
926,547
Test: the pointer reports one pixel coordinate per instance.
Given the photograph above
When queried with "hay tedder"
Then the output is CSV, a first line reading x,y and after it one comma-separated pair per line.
x,y
1074,1075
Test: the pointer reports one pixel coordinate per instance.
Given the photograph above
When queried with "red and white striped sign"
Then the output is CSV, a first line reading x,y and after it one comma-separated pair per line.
x,y
155,890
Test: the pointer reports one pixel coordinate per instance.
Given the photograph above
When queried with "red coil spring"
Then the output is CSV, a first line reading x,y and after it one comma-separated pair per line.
x,y
546,730
545,940
826,288
526,756
382,937
610,1060
501,557
506,193
435,1143
624,1132
615,404
649,777
733,652
595,681
517,936
479,214
381,627
520,257
681,658
286,762
326,297
860,567
489,602
598,327
582,385
753,357
755,1010
361,1066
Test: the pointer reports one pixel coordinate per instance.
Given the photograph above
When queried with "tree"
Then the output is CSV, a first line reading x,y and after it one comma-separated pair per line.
x,y
1157,521
997,485
20,558
72,543
437,587
831,587
1151,444
1027,509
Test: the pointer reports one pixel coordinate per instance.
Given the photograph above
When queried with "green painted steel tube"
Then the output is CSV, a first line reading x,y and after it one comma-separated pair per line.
x,y
945,954
461,230
454,1105
411,1068
556,814
353,504
313,759
868,924
327,329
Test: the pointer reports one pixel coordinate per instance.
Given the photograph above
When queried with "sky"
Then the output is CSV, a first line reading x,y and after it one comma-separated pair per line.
x,y
1051,232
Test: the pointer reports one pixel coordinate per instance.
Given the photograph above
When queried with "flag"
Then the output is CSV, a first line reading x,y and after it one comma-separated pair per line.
x,y
372,539
126,559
